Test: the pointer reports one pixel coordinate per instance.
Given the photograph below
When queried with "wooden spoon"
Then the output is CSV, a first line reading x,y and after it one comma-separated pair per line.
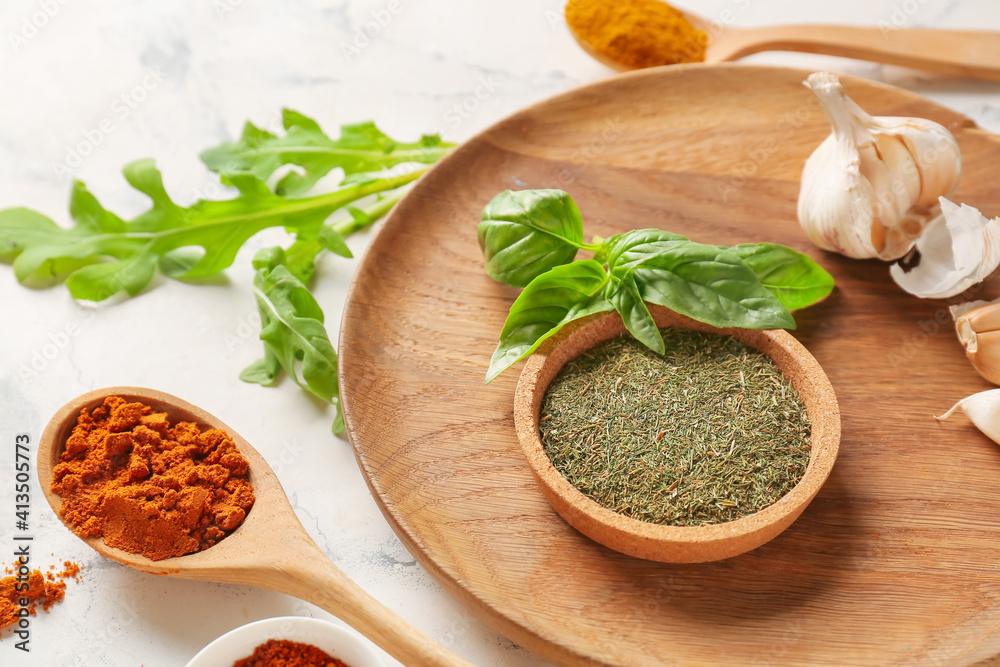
x,y
967,53
269,550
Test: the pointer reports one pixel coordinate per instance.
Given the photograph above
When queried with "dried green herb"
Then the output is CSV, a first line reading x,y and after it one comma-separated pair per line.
x,y
708,432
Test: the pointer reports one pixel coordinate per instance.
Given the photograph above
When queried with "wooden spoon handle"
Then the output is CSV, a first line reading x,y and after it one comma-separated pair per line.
x,y
954,52
312,577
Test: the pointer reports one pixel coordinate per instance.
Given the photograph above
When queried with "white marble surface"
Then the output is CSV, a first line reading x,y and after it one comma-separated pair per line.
x,y
194,71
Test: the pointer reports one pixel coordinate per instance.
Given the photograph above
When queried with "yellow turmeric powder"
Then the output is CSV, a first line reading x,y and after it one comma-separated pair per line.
x,y
637,33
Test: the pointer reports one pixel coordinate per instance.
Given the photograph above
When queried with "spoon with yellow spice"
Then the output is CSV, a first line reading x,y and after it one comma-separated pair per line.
x,y
270,549
630,34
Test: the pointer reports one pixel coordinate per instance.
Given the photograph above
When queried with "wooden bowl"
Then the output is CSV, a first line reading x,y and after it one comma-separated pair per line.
x,y
676,544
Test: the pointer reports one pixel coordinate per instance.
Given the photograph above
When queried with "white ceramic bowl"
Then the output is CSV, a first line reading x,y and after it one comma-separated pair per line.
x,y
340,643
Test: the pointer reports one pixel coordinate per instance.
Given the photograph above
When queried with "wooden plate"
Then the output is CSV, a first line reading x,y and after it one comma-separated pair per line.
x,y
896,560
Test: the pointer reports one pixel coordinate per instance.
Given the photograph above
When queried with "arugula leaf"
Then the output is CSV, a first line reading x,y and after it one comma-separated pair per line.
x,y
794,278
704,282
333,241
362,147
103,254
524,234
563,294
293,333
299,339
22,229
300,257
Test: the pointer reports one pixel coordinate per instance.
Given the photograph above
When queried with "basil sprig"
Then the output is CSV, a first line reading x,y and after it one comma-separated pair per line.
x,y
530,239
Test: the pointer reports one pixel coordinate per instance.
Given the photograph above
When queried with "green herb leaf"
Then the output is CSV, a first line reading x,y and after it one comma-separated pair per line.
x,y
176,263
794,278
102,254
628,301
561,295
293,332
23,230
524,234
95,282
704,282
263,371
361,148
331,240
300,259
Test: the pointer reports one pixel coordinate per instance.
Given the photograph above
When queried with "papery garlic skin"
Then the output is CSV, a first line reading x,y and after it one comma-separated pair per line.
x,y
873,185
983,410
959,249
977,324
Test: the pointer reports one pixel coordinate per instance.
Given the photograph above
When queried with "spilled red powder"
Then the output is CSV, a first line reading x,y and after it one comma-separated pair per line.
x,y
149,487
285,653
33,590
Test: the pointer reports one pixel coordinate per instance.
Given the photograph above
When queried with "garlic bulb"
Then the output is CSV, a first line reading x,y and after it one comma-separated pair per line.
x,y
977,324
983,409
873,185
959,249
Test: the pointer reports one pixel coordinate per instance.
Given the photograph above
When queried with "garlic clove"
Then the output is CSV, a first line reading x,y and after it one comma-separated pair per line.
x,y
986,357
983,410
895,189
963,328
977,324
839,223
898,185
937,156
871,186
961,309
958,249
982,317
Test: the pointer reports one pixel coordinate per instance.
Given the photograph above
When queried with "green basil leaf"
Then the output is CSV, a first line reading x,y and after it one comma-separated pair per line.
x,y
704,282
626,251
524,234
635,314
361,147
563,294
794,278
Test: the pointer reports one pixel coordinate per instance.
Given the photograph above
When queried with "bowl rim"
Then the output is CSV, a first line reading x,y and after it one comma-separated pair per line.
x,y
344,643
676,543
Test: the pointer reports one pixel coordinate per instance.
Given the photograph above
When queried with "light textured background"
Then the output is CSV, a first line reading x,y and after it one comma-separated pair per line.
x,y
216,64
